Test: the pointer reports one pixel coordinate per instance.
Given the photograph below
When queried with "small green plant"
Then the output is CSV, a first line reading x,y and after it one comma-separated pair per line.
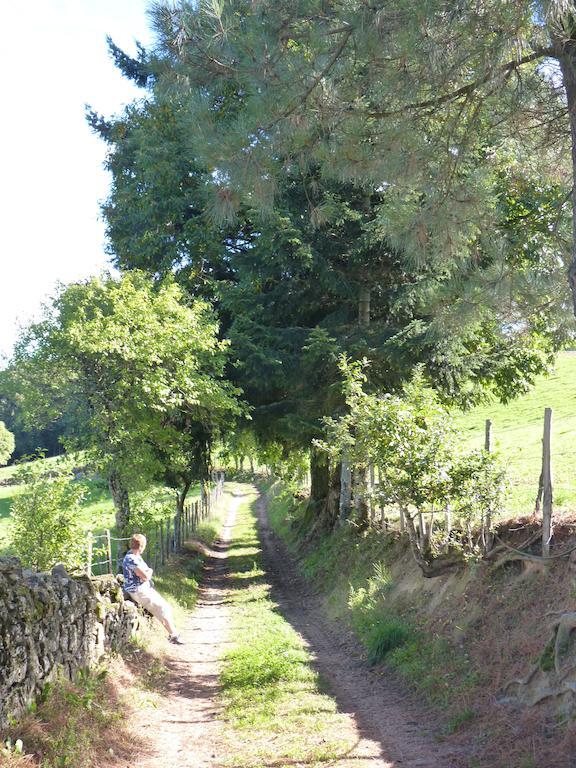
x,y
9,748
459,720
436,669
384,637
87,688
546,660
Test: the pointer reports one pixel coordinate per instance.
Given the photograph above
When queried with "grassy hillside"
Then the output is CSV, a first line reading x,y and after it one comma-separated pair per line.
x,y
517,435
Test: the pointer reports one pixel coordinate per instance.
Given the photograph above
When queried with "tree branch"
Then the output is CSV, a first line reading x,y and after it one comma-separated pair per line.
x,y
437,101
333,59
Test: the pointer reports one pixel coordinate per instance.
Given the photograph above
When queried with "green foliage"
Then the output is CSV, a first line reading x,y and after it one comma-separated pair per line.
x,y
409,437
412,441
151,507
384,636
6,444
437,118
455,723
288,272
45,528
478,486
139,368
436,669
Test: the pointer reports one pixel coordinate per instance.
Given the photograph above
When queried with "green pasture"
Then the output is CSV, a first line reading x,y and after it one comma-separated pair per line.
x,y
517,436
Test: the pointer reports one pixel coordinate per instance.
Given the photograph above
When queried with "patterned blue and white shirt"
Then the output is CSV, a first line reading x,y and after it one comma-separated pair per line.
x,y
131,579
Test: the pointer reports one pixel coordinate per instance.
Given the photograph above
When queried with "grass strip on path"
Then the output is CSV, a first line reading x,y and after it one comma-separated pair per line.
x,y
272,696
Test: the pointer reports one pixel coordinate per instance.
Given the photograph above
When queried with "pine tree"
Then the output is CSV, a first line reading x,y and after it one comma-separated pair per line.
x,y
421,97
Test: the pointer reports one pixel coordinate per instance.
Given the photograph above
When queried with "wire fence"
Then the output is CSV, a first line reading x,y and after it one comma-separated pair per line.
x,y
105,552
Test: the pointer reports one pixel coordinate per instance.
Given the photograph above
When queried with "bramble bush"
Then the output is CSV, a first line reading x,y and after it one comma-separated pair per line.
x,y
411,439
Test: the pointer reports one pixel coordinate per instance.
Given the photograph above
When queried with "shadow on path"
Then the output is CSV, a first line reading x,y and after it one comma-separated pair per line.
x,y
382,710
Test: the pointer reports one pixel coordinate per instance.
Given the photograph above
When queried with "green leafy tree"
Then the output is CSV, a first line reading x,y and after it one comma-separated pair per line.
x,y
477,493
44,517
141,370
6,444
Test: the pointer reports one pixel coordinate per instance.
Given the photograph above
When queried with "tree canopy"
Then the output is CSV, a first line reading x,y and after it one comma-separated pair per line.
x,y
388,182
138,367
427,100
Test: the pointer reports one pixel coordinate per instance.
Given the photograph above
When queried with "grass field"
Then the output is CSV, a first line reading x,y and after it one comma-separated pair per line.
x,y
517,436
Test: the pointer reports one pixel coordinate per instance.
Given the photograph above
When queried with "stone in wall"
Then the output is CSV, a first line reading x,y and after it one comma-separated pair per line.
x,y
51,622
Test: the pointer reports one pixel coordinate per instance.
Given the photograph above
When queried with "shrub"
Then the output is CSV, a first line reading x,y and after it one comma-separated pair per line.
x,y
45,528
386,636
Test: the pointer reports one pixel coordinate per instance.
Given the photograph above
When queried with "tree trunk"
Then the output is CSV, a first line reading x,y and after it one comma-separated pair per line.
x,y
331,509
319,486
566,51
181,497
361,505
121,501
546,484
364,306
345,489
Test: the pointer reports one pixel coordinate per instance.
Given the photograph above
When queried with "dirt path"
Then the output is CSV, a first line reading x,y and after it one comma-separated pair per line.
x,y
392,729
185,729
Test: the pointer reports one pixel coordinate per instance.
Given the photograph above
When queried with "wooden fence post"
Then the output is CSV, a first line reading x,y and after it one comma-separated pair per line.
x,y
370,500
345,489
157,549
109,551
546,483
402,521
487,520
89,562
488,436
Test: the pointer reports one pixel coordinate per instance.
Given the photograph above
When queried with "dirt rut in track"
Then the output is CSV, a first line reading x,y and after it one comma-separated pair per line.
x,y
393,730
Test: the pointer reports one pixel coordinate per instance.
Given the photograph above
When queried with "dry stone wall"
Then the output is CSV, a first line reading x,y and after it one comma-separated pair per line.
x,y
51,622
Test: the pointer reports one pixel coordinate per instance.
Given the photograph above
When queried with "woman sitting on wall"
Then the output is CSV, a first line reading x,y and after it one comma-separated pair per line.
x,y
137,582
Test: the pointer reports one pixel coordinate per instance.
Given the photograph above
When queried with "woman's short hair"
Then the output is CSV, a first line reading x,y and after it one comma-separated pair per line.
x,y
138,541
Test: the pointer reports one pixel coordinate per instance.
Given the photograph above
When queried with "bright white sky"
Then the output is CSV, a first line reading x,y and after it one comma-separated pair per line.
x,y
54,59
